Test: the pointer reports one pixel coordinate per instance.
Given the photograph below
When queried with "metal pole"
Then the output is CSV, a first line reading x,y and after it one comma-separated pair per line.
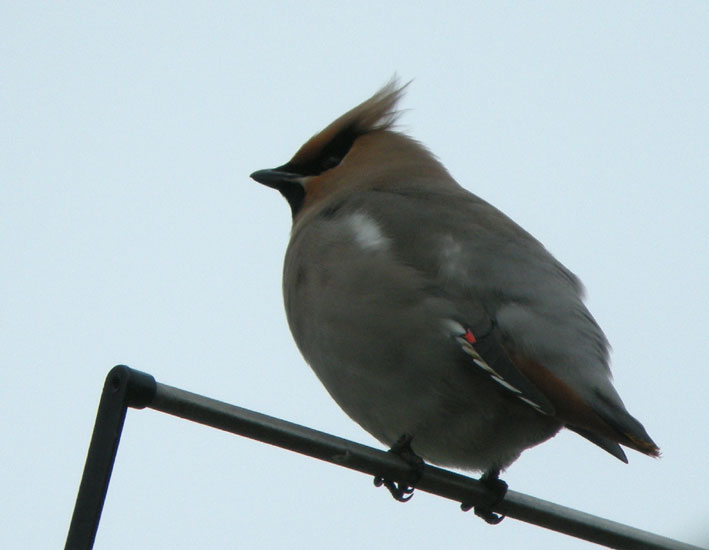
x,y
379,463
126,387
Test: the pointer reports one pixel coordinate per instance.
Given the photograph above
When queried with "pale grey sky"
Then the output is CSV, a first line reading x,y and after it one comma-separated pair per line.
x,y
131,233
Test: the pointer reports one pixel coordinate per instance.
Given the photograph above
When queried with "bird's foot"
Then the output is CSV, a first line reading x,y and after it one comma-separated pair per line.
x,y
491,480
399,490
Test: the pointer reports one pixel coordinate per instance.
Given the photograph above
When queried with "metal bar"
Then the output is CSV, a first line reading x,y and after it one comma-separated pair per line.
x,y
379,463
123,388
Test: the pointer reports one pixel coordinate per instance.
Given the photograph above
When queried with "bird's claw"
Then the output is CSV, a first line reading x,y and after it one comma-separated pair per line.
x,y
498,488
488,515
403,492
400,491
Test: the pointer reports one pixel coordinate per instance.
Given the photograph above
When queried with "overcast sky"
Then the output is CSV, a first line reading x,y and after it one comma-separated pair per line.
x,y
131,233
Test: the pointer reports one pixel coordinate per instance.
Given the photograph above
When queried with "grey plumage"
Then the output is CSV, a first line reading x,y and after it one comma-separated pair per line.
x,y
426,311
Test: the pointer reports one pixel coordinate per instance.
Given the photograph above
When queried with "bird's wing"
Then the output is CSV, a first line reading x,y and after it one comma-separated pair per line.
x,y
541,344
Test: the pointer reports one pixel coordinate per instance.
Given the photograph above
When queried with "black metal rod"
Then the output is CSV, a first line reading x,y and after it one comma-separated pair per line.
x,y
123,388
379,463
129,388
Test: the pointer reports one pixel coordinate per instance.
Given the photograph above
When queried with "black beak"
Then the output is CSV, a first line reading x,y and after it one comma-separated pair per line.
x,y
276,178
288,183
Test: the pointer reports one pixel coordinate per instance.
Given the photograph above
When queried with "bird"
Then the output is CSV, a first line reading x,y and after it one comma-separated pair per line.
x,y
436,323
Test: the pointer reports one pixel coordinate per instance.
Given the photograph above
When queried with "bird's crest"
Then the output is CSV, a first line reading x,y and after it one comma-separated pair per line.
x,y
331,144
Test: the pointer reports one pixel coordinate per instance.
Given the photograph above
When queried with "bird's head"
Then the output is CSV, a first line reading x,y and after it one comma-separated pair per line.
x,y
358,151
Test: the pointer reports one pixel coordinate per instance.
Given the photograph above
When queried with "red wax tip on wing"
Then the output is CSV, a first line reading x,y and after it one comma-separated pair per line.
x,y
469,336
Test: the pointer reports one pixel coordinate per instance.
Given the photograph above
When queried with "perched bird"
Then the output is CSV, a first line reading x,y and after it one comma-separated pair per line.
x,y
437,323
